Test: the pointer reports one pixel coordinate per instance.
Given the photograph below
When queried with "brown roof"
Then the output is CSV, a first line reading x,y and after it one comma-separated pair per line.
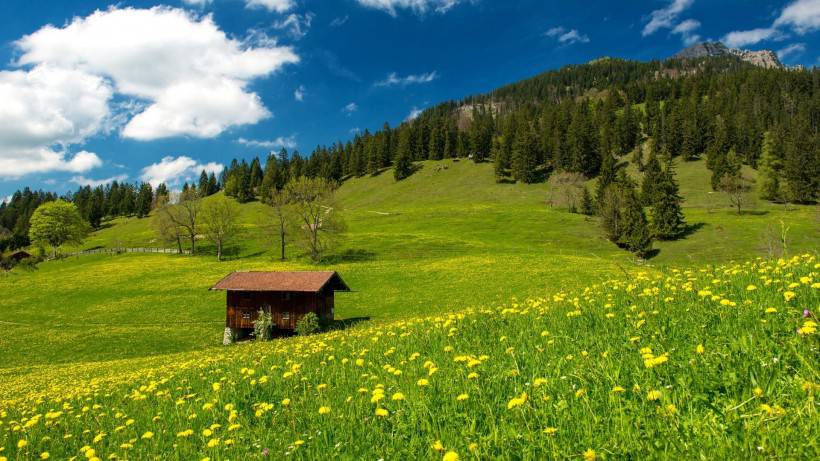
x,y
309,282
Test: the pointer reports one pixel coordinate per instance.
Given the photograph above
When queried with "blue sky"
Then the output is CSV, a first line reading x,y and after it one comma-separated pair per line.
x,y
156,91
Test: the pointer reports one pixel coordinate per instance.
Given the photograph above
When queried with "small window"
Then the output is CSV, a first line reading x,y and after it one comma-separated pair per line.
x,y
285,315
246,316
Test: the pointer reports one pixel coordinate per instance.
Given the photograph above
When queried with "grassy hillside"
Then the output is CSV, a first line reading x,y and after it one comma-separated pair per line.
x,y
707,363
446,237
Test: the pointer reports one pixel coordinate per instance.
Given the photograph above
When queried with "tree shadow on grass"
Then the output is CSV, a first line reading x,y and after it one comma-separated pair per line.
x,y
344,324
690,229
754,212
351,255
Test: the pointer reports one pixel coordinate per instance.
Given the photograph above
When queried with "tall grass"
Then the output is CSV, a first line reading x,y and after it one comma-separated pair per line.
x,y
711,363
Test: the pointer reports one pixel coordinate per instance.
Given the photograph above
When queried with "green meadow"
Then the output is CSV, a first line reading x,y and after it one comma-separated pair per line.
x,y
446,238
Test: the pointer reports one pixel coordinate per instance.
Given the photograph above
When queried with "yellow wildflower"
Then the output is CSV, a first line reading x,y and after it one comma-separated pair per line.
x,y
450,456
324,410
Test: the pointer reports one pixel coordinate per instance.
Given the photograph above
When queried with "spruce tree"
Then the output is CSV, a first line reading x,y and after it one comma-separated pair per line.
x,y
635,235
667,215
500,162
203,183
801,166
402,164
587,204
524,154
771,170
607,176
652,174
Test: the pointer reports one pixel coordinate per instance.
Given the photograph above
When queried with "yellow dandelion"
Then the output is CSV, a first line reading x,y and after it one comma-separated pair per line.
x,y
398,396
462,397
148,435
324,410
437,445
45,455
700,349
618,389
590,455
653,395
285,402
450,456
422,382
22,444
517,401
381,412
550,430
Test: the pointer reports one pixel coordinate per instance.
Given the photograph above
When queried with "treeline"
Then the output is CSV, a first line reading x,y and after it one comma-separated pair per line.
x,y
94,204
568,120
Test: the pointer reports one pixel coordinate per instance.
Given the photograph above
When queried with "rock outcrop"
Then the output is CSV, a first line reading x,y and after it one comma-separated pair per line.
x,y
763,58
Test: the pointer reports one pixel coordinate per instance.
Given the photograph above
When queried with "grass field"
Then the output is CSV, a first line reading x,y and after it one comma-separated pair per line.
x,y
448,237
707,363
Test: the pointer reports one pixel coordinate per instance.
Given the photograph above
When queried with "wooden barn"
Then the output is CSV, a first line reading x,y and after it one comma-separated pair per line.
x,y
286,295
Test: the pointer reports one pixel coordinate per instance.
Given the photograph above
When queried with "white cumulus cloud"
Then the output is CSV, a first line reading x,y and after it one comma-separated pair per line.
x,y
417,6
288,142
414,114
665,18
567,37
296,25
83,181
686,30
279,6
800,17
174,170
192,76
43,112
299,93
793,49
394,79
350,108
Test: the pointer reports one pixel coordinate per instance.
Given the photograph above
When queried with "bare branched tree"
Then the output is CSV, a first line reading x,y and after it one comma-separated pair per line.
x,y
219,217
182,218
737,188
566,190
317,221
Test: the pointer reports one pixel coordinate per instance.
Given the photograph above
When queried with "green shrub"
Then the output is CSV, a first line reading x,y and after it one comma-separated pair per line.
x,y
308,324
262,326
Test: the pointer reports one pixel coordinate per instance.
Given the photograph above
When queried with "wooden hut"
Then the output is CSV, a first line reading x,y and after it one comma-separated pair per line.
x,y
286,295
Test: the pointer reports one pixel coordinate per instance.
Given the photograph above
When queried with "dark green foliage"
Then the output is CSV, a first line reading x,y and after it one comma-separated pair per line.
x,y
402,164
667,215
308,324
801,166
652,174
770,168
524,154
724,164
145,200
587,204
634,228
608,175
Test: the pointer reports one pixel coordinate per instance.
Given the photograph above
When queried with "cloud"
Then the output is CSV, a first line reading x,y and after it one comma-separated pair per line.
x,y
803,16
198,3
43,112
417,6
394,80
794,48
800,17
350,108
299,93
750,37
567,37
173,171
296,25
665,18
414,114
279,6
686,30
288,142
191,76
83,181
6,199
340,21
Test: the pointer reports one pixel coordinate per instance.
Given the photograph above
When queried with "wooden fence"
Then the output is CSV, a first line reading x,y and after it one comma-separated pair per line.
x,y
116,251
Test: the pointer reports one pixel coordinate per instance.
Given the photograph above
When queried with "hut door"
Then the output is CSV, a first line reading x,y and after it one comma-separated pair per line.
x,y
283,319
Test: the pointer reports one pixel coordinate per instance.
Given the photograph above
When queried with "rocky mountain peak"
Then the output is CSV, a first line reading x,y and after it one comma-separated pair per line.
x,y
763,58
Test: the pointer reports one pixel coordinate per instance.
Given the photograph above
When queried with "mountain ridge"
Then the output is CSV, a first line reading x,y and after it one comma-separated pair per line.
x,y
763,58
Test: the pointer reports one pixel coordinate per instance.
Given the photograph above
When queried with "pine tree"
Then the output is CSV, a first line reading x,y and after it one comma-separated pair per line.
x,y
402,164
667,215
524,154
771,170
269,179
652,174
203,184
635,235
724,165
213,185
608,175
255,175
587,204
500,162
801,167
